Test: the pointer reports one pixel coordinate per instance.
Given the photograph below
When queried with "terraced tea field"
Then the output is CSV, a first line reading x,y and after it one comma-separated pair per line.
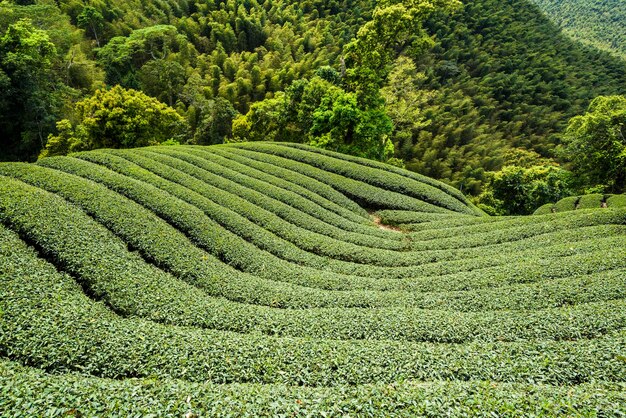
x,y
275,279
588,201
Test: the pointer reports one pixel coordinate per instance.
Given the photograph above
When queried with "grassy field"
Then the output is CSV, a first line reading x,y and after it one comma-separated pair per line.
x,y
280,280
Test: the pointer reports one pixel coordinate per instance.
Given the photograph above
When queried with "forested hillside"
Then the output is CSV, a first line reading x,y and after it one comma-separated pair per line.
x,y
503,76
601,23
209,60
497,85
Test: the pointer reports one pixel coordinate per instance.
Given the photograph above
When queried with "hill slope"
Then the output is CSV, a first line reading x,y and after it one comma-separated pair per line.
x,y
251,280
502,76
601,23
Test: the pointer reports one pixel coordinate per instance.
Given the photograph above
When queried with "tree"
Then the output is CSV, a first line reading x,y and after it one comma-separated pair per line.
x,y
516,190
404,100
395,25
92,20
595,143
116,118
27,93
339,124
263,122
122,57
162,79
214,121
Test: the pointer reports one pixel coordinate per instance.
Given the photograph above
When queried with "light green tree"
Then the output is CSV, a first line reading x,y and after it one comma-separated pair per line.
x,y
516,190
595,143
116,118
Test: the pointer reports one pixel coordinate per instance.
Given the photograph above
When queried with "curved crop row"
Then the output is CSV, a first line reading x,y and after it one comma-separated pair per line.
x,y
277,248
311,242
385,167
589,201
67,338
292,206
169,249
28,389
367,195
255,280
162,298
270,214
231,248
389,180
311,190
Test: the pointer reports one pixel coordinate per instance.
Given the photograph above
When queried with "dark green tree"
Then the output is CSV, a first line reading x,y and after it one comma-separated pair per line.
x,y
28,100
92,21
163,79
595,143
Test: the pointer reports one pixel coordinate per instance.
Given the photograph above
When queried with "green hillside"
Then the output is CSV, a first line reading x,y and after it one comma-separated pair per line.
x,y
500,74
599,23
282,280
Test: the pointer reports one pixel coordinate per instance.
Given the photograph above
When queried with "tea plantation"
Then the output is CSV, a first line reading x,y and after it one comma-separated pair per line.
x,y
588,201
280,280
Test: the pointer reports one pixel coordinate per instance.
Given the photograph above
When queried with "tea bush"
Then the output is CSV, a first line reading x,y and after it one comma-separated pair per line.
x,y
268,279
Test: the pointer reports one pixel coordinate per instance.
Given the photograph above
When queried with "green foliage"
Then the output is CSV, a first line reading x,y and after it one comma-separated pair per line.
x,y
247,278
501,76
394,26
91,20
115,118
545,209
162,79
321,114
26,79
351,119
595,143
362,183
567,204
591,201
30,389
599,23
461,90
616,201
404,101
588,201
340,125
519,191
160,47
46,67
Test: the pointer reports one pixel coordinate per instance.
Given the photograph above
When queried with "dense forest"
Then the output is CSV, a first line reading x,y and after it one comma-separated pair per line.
x,y
600,23
208,60
461,93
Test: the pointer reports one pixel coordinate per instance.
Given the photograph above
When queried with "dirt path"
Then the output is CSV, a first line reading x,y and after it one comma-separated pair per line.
x,y
381,225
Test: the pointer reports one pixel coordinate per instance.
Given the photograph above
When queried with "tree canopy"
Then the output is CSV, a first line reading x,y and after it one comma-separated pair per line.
x,y
595,143
116,118
27,88
448,94
599,23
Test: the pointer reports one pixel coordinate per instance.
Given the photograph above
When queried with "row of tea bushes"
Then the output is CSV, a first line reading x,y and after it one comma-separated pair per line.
x,y
366,195
379,178
190,281
63,330
28,391
590,201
